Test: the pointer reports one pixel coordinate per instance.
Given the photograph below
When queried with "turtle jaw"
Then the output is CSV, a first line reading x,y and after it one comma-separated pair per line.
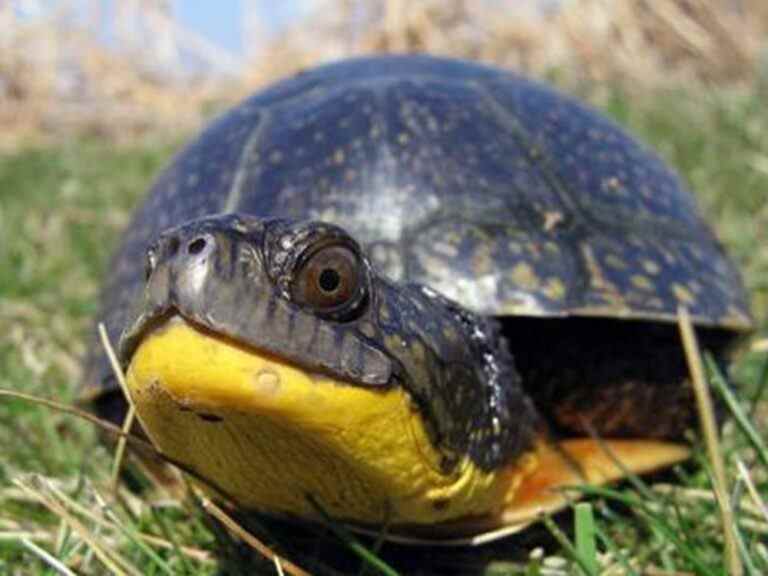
x,y
186,362
268,434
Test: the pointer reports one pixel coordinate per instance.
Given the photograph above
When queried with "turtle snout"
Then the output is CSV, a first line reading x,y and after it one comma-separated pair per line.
x,y
179,262
179,268
180,250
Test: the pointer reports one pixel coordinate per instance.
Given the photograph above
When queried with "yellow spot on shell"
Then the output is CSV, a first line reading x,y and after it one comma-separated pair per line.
x,y
524,276
683,295
651,267
418,351
394,342
615,262
642,282
552,220
612,183
555,289
482,263
450,333
596,276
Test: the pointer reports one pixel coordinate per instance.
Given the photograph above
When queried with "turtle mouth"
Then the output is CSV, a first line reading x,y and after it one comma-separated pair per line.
x,y
162,320
143,325
201,369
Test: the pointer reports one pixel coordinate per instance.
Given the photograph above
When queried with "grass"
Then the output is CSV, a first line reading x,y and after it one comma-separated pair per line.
x,y
61,211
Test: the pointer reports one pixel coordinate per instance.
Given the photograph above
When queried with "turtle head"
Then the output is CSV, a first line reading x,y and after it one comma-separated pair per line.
x,y
289,290
271,359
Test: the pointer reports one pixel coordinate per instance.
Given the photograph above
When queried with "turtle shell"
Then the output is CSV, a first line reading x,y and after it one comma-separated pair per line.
x,y
499,192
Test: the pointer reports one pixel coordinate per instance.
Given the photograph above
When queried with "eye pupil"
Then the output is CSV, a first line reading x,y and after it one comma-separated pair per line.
x,y
329,280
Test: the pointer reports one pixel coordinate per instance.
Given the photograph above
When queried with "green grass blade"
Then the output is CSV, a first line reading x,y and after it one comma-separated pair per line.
x,y
762,386
353,543
569,548
754,437
654,521
186,567
586,541
613,548
132,535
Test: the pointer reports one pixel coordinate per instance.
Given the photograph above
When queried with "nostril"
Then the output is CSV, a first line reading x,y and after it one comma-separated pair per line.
x,y
173,246
196,246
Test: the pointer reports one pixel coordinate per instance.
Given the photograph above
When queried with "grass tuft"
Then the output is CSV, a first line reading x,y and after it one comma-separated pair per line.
x,y
369,558
217,512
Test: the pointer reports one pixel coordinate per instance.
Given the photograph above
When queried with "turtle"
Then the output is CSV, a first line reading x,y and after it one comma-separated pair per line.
x,y
413,291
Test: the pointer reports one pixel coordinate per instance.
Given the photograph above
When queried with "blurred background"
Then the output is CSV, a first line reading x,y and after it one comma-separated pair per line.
x,y
120,68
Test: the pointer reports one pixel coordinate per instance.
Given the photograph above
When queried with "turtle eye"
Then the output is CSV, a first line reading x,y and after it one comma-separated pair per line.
x,y
328,279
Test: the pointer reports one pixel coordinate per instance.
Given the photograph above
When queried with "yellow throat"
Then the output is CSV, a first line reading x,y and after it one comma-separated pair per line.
x,y
269,433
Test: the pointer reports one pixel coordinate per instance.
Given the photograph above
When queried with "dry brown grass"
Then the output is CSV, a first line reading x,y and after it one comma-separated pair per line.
x,y
588,43
638,41
57,78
